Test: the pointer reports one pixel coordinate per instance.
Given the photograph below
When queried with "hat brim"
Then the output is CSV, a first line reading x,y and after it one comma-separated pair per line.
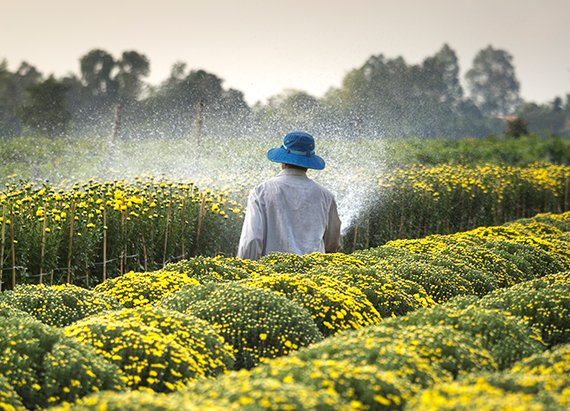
x,y
280,155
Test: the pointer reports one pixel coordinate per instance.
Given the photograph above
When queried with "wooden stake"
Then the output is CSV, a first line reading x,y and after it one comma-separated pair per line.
x,y
200,218
12,240
182,251
43,251
104,242
3,246
70,248
166,232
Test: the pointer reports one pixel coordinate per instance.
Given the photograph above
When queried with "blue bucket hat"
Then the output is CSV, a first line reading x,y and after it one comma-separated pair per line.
x,y
298,149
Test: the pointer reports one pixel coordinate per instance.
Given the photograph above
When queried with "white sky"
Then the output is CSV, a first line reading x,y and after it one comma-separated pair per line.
x,y
262,47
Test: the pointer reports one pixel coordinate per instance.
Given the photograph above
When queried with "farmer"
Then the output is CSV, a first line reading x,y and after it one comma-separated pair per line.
x,y
290,212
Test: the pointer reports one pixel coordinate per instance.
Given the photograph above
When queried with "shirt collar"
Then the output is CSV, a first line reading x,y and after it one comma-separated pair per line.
x,y
292,172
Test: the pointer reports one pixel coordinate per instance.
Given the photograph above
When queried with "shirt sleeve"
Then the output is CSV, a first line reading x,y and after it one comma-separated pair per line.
x,y
332,237
252,239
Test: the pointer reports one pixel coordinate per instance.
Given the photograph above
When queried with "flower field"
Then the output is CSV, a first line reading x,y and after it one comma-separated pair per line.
x,y
420,200
478,319
86,233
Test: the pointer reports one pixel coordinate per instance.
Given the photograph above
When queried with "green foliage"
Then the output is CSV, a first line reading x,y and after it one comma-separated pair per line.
x,y
300,264
390,295
369,385
254,394
136,401
139,289
44,367
9,399
205,269
58,305
516,128
555,361
544,303
507,338
258,323
46,110
154,347
334,306
482,394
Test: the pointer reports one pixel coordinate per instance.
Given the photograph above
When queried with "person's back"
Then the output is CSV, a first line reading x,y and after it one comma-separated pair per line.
x,y
290,212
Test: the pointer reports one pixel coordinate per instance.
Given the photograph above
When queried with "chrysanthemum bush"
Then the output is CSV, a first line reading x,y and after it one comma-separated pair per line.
x,y
155,348
44,367
507,338
242,392
140,289
368,384
9,399
480,395
8,311
206,269
543,302
258,323
390,295
140,400
299,264
462,250
58,305
334,305
541,382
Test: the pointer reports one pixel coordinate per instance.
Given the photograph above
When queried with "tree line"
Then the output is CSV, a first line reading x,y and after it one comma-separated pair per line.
x,y
385,97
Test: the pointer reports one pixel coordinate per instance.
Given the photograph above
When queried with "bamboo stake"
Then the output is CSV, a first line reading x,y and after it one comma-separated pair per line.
x,y
200,218
145,255
104,242
166,232
124,239
70,248
566,194
3,246
43,251
13,247
183,253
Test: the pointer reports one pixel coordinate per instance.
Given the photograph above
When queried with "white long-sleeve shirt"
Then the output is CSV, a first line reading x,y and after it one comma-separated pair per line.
x,y
289,213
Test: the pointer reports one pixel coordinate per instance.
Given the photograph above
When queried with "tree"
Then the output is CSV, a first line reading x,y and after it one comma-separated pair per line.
x,y
46,111
13,93
132,68
516,128
492,82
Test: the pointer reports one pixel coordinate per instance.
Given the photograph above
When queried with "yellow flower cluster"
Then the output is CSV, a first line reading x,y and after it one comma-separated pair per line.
x,y
58,305
257,323
155,348
140,289
334,305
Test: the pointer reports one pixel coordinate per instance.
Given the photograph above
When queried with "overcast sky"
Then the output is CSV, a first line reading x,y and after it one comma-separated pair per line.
x,y
262,47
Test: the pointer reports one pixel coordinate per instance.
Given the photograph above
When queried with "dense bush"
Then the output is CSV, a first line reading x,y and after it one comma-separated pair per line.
x,y
9,399
205,269
140,400
154,347
543,302
507,338
300,264
140,289
58,305
369,384
253,394
390,295
258,323
44,367
334,306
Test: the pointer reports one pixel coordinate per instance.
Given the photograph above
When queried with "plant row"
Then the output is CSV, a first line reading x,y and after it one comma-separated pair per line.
x,y
419,200
90,231
326,320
